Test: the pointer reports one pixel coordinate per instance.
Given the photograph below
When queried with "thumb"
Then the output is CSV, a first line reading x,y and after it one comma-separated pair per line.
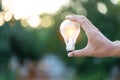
x,y
79,53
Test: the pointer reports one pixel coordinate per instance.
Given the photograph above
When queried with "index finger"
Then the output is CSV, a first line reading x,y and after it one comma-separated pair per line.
x,y
83,21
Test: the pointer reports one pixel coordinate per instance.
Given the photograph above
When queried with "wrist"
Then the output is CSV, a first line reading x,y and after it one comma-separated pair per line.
x,y
116,50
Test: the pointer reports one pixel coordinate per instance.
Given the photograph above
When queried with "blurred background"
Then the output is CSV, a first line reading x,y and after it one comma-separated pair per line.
x,y
32,48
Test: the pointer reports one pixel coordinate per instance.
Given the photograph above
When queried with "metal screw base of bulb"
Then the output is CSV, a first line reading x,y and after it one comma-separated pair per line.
x,y
70,51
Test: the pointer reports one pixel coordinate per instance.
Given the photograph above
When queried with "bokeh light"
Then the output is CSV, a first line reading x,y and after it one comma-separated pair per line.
x,y
78,7
47,21
1,18
102,8
34,21
8,16
24,22
115,1
30,10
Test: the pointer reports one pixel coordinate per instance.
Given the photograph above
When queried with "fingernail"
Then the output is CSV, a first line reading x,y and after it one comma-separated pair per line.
x,y
70,55
68,16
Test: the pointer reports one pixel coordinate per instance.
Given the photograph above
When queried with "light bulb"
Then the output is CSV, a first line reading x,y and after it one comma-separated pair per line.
x,y
70,31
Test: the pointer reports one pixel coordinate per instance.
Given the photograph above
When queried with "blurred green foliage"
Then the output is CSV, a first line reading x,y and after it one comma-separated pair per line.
x,y
26,42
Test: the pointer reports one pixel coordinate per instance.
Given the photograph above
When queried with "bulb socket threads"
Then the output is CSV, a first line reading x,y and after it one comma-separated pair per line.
x,y
69,51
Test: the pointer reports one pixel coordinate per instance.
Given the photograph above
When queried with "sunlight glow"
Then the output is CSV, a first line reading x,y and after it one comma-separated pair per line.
x,y
102,8
70,32
30,9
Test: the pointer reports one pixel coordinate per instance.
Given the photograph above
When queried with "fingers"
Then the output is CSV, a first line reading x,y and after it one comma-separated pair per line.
x,y
80,19
83,21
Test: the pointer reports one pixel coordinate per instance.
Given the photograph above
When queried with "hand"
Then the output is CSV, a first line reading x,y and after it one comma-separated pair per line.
x,y
98,45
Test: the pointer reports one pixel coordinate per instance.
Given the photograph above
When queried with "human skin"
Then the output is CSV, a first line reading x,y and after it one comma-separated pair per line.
x,y
98,45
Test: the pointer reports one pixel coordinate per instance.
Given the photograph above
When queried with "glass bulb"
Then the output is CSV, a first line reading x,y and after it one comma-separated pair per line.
x,y
70,31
